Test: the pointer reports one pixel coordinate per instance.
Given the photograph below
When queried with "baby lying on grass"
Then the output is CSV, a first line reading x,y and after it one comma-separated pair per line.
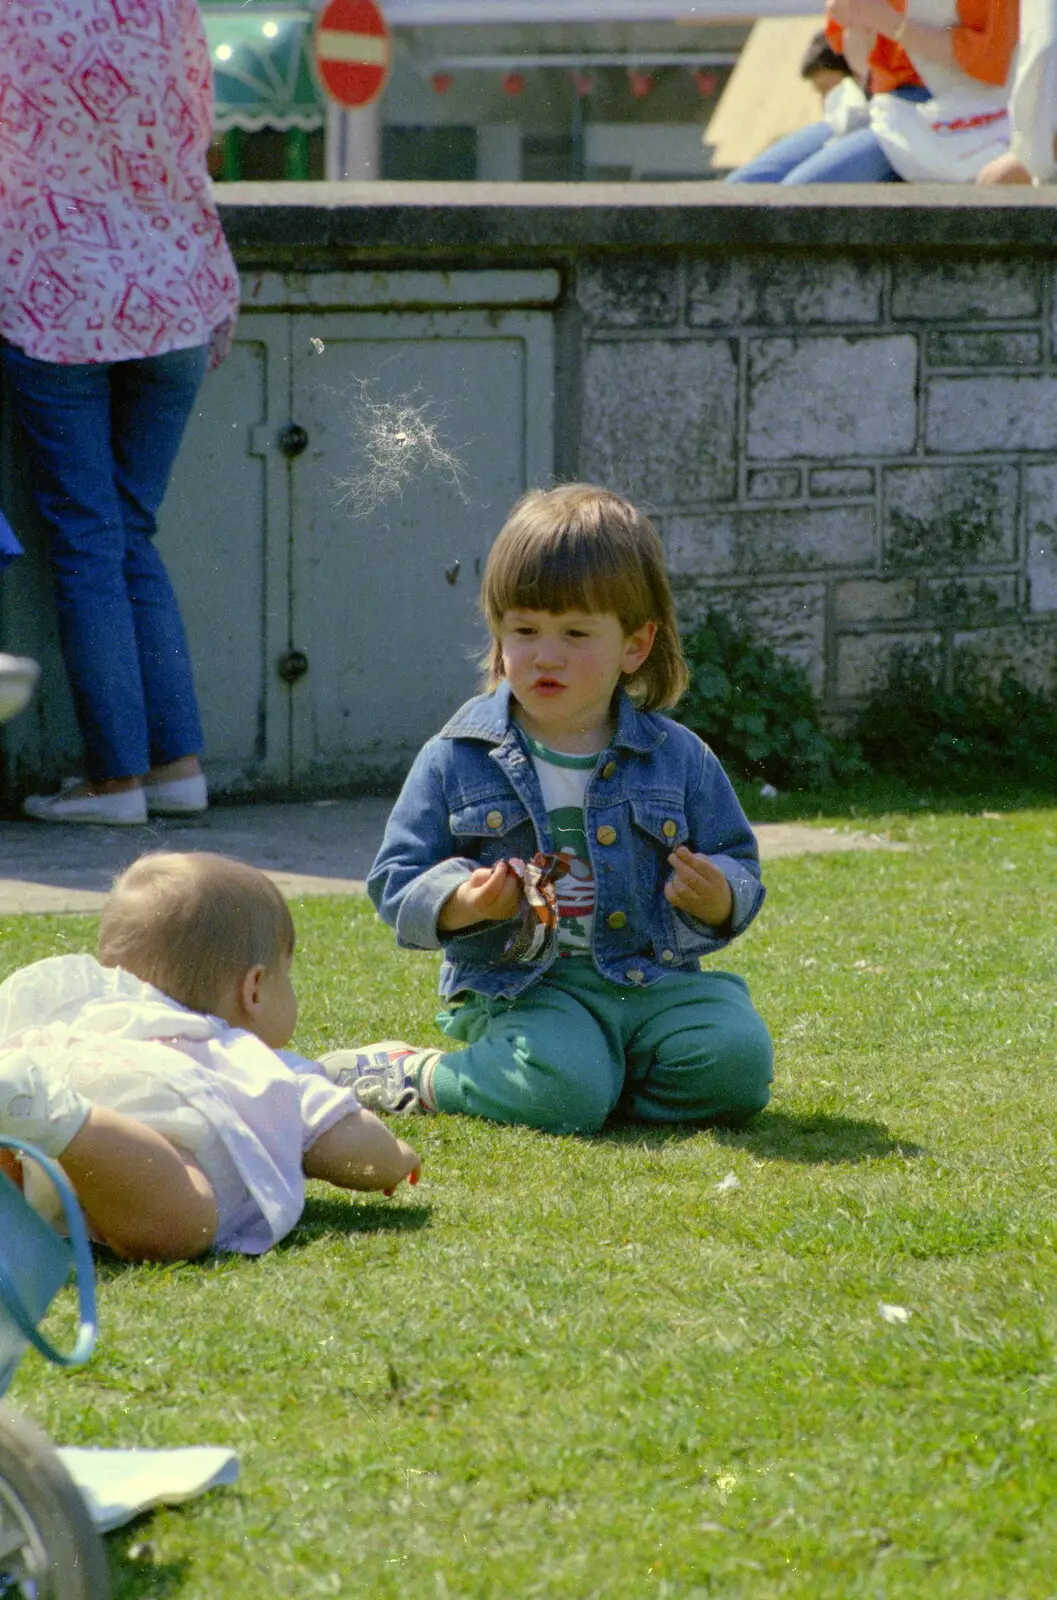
x,y
157,1075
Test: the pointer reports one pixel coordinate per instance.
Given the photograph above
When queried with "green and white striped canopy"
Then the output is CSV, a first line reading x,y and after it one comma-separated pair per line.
x,y
262,66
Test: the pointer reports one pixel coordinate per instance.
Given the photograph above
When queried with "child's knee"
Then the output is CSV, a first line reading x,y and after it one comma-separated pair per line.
x,y
749,1073
568,1080
560,1090
744,1106
583,1108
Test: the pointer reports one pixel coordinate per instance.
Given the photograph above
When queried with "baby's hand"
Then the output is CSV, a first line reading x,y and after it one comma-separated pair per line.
x,y
698,888
489,894
410,1162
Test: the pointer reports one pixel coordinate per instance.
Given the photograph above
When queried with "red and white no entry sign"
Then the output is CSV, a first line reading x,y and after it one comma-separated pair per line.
x,y
353,50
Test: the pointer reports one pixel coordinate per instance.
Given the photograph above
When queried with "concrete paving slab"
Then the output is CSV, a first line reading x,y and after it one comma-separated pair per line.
x,y
317,847
801,839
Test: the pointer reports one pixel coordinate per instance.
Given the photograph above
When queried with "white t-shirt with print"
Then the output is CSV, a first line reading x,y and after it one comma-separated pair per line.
x,y
563,780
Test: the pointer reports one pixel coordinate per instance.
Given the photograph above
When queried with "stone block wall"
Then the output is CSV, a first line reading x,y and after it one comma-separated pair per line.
x,y
852,454
839,402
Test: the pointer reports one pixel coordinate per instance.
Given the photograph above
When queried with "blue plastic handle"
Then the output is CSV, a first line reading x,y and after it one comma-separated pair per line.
x,y
83,1266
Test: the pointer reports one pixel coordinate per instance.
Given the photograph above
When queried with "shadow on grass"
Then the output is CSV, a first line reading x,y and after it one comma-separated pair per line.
x,y
140,1576
320,1218
814,1139
323,1216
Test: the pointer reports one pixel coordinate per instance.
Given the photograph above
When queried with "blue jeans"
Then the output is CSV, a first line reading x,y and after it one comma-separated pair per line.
x,y
102,439
816,155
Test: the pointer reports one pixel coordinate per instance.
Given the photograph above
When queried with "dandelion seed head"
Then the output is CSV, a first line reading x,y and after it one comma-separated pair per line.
x,y
394,441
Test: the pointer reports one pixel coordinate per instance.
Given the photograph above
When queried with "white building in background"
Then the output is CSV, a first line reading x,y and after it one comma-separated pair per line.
x,y
494,90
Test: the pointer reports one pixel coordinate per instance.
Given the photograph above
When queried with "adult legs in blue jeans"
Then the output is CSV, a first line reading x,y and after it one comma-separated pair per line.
x,y
103,438
774,163
814,155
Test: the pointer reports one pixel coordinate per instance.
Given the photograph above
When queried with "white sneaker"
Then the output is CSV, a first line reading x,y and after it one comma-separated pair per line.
x,y
35,1106
125,810
177,797
18,679
383,1077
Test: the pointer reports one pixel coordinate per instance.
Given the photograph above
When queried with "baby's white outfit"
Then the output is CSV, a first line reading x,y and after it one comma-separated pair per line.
x,y
245,1113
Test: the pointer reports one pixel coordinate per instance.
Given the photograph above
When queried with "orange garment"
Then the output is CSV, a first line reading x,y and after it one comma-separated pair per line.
x,y
983,44
890,66
987,38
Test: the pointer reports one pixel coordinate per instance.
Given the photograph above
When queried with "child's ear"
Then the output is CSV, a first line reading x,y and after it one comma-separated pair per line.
x,y
249,990
637,647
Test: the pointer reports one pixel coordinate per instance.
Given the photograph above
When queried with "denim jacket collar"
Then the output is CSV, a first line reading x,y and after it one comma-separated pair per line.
x,y
489,718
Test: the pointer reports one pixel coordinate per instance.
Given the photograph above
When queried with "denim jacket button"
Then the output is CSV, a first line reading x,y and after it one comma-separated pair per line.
x,y
634,974
494,819
606,834
609,769
669,828
616,919
667,955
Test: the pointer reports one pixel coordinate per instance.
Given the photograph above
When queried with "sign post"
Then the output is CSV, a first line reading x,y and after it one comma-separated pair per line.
x,y
353,51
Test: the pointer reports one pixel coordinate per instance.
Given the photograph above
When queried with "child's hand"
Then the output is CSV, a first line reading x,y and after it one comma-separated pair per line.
x,y
489,894
411,1163
698,888
359,1152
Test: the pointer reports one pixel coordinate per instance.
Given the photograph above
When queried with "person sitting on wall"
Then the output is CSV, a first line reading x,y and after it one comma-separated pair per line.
x,y
936,74
844,102
962,51
841,147
1032,156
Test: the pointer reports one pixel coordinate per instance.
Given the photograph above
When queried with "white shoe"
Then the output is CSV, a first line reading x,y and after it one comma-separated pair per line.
x,y
384,1076
128,809
18,679
177,797
35,1105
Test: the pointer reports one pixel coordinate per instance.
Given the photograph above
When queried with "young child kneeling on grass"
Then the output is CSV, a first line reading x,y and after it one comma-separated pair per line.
x,y
156,1074
574,854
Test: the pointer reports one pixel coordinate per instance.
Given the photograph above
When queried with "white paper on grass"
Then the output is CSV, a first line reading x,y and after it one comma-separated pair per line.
x,y
118,1485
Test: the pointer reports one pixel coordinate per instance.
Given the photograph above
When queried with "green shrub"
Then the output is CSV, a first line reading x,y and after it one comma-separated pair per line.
x,y
757,711
916,727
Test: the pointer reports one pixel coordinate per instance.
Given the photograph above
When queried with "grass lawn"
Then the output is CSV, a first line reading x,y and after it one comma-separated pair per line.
x,y
580,1368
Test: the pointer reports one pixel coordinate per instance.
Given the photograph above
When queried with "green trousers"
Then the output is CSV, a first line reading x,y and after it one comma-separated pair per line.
x,y
575,1047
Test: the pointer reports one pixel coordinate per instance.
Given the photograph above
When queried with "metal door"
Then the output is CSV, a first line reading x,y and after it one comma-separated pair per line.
x,y
224,532
388,539
331,635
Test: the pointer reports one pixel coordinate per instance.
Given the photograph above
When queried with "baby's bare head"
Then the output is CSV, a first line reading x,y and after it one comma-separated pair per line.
x,y
192,922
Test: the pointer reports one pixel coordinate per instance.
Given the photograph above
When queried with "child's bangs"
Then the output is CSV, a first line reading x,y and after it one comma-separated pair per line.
x,y
571,571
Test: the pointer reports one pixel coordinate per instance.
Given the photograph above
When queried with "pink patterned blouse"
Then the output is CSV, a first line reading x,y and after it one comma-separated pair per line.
x,y
110,243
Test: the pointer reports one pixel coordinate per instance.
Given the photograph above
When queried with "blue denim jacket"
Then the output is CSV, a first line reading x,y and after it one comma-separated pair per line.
x,y
472,798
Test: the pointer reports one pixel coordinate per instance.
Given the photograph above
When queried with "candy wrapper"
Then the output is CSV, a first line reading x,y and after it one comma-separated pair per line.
x,y
539,905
